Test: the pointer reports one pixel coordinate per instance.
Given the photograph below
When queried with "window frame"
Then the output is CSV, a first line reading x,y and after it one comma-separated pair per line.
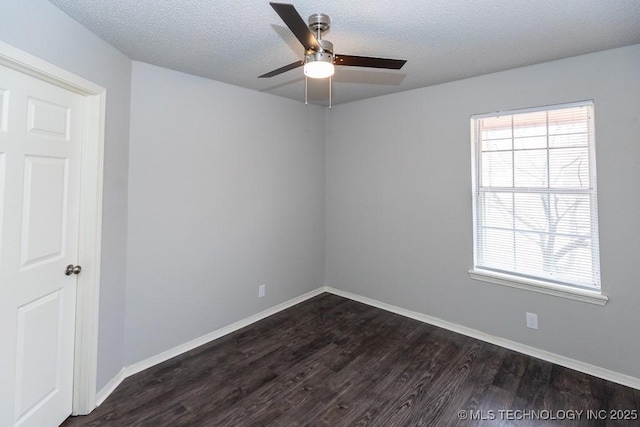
x,y
516,280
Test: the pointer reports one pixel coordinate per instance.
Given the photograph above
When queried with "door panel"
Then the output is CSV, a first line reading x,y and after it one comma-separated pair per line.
x,y
40,141
43,210
47,119
38,329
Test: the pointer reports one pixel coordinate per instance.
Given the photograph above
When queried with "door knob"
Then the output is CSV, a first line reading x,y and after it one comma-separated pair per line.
x,y
72,269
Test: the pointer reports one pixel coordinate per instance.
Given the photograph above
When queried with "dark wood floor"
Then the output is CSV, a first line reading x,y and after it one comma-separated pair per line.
x,y
331,361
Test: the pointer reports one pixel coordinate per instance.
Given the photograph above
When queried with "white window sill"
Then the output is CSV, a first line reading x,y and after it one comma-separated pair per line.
x,y
590,297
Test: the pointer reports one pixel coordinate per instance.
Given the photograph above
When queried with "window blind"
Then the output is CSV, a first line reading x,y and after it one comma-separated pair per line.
x,y
535,198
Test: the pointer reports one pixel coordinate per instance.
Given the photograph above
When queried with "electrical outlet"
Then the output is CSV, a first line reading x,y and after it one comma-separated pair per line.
x,y
532,320
261,290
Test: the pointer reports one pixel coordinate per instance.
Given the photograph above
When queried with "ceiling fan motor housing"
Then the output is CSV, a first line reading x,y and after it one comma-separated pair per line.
x,y
326,45
324,55
312,56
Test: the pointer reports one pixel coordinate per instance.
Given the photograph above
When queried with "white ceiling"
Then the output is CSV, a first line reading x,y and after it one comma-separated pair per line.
x,y
234,41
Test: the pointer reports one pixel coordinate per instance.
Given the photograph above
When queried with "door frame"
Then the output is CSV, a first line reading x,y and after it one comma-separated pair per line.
x,y
90,227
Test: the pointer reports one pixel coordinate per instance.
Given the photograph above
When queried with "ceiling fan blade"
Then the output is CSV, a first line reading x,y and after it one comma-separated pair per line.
x,y
296,24
367,61
281,70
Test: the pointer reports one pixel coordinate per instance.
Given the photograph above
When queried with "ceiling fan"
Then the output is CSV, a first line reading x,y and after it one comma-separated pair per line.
x,y
319,58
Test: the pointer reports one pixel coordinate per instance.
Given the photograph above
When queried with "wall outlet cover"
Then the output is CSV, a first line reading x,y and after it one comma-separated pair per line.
x,y
532,320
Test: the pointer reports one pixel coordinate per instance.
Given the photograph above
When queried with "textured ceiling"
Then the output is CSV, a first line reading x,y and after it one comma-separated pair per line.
x,y
234,41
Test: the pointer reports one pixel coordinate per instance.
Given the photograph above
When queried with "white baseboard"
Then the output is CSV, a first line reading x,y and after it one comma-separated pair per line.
x,y
127,371
567,362
102,395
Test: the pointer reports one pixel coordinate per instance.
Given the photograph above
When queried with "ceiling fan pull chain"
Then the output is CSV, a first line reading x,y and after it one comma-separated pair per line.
x,y
330,90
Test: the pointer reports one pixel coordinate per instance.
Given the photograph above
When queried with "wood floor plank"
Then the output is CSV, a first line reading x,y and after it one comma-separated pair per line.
x,y
330,361
533,385
472,397
432,394
271,400
363,398
618,403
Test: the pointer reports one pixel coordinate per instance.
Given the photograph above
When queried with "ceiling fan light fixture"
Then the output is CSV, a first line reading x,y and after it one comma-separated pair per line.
x,y
319,70
318,65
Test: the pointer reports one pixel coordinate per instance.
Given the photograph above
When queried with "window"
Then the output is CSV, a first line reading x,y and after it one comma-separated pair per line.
x,y
535,207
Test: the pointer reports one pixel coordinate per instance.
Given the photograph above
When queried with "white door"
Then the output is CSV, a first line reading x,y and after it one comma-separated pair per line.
x,y
40,140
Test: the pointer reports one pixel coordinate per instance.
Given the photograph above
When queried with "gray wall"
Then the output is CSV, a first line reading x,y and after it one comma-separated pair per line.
x,y
226,192
399,220
39,28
